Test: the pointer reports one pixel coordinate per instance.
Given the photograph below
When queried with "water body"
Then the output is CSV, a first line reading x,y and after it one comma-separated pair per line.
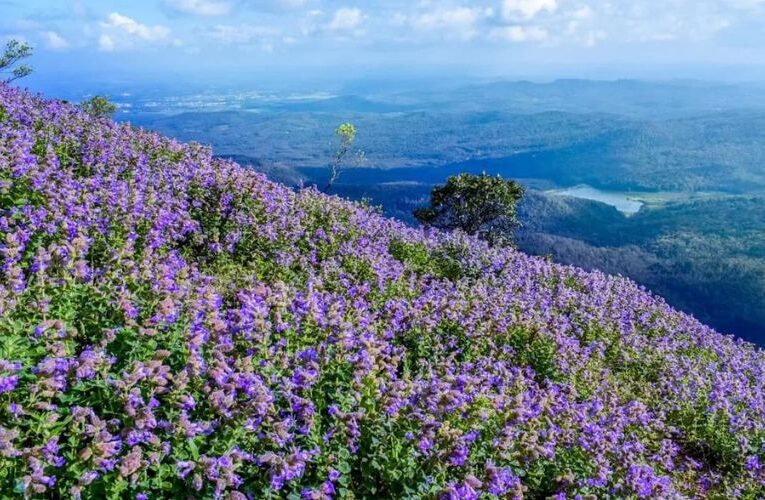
x,y
620,201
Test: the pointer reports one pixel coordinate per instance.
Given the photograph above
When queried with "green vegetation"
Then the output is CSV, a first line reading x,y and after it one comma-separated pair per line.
x,y
442,262
346,134
174,325
99,106
15,51
482,205
536,351
688,251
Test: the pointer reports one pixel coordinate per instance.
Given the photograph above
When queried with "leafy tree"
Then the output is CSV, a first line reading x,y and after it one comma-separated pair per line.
x,y
99,106
15,51
346,133
483,205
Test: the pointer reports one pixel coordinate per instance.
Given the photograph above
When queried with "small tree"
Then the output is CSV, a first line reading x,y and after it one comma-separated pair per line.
x,y
482,205
99,106
15,51
346,133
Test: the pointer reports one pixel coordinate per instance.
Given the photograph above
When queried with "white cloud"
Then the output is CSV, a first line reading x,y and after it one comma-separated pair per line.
x,y
580,26
582,13
242,33
119,31
746,4
461,22
291,4
594,37
519,34
200,7
312,22
683,22
54,41
398,24
106,43
347,20
526,9
272,5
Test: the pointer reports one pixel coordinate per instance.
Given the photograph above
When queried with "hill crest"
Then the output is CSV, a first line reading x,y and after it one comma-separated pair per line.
x,y
174,323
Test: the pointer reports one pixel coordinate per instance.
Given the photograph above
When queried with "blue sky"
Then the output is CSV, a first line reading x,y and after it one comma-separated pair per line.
x,y
134,39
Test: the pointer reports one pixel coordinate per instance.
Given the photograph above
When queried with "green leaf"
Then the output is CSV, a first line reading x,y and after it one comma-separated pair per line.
x,y
193,448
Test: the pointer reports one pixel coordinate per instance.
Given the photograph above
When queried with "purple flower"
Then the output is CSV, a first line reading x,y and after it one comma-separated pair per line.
x,y
644,481
189,299
424,445
184,468
501,480
7,384
333,475
459,456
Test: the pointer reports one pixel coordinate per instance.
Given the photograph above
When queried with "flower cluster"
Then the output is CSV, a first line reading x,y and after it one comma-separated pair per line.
x,y
172,324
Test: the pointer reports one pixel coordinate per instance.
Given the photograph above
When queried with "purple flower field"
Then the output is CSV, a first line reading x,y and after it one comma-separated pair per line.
x,y
174,325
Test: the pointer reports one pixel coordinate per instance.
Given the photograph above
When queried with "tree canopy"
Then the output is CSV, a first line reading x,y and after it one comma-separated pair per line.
x,y
482,205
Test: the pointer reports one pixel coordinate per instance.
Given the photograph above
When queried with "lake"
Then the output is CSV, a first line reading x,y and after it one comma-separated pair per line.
x,y
621,201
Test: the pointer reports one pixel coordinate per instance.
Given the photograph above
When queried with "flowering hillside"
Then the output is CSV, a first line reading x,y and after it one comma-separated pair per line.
x,y
173,324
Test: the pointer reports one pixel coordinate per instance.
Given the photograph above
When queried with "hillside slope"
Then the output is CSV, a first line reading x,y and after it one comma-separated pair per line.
x,y
175,324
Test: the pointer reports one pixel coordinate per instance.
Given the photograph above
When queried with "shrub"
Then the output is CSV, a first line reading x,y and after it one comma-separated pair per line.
x,y
443,262
99,106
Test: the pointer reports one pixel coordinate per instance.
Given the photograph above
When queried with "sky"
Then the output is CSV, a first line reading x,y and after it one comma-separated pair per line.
x,y
222,40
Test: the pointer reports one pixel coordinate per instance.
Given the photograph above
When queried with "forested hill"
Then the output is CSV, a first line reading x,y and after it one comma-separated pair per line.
x,y
173,325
